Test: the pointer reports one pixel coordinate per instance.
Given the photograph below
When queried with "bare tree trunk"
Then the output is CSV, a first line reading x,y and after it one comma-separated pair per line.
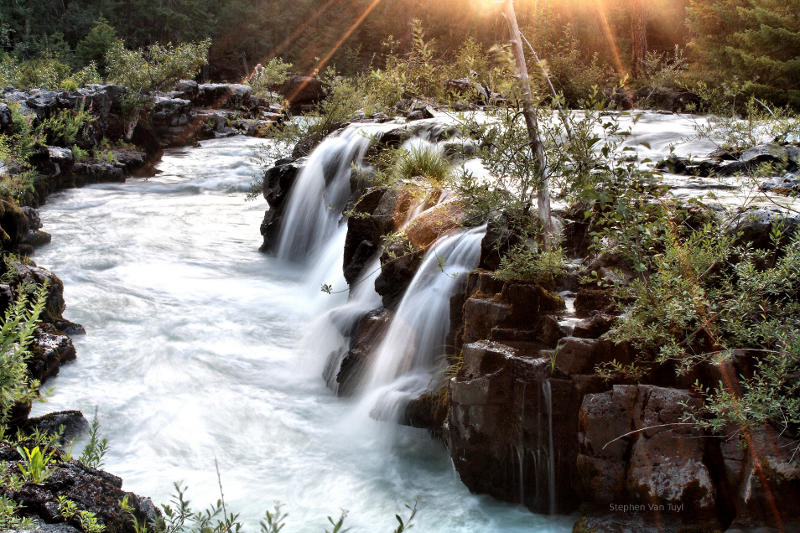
x,y
638,37
529,112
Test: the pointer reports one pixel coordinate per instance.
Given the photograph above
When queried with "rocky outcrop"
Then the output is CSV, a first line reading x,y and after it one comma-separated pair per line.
x,y
373,218
302,91
189,113
277,184
91,490
501,430
780,158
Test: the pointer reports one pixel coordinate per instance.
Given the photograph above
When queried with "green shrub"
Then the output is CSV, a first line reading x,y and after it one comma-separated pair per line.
x,y
95,449
732,128
574,75
93,48
65,127
9,518
157,67
16,332
529,264
271,75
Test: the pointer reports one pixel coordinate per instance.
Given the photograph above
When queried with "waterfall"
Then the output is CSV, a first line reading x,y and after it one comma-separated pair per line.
x,y
413,348
316,201
335,327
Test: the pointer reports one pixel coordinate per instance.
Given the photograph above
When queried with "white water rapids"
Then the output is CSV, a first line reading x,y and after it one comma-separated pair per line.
x,y
193,353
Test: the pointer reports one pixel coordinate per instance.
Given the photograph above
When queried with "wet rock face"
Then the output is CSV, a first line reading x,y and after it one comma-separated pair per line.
x,y
218,95
74,425
278,182
373,218
517,316
92,490
724,163
765,479
363,344
500,428
398,267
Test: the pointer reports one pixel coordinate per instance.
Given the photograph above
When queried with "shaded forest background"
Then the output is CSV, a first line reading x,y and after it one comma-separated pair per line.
x,y
757,41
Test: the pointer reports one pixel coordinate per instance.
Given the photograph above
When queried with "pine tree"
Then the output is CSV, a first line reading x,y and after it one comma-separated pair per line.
x,y
757,41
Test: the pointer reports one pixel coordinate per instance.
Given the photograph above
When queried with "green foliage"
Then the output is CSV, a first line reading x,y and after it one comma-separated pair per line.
x,y
157,67
704,296
19,322
93,48
46,71
504,150
408,523
9,518
34,465
530,264
338,525
65,127
771,396
738,130
574,74
422,162
757,40
270,76
274,521
95,449
663,70
87,519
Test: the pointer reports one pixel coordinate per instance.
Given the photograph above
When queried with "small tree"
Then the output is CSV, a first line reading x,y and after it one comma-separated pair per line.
x,y
94,47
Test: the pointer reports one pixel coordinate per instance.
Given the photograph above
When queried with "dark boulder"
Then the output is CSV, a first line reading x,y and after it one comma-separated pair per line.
x,y
6,123
302,91
636,449
91,490
363,344
223,95
277,184
755,226
398,267
187,89
788,184
372,218
73,424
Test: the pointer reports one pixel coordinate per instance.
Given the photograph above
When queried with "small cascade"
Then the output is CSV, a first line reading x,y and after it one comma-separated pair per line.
x,y
335,327
319,195
551,458
412,350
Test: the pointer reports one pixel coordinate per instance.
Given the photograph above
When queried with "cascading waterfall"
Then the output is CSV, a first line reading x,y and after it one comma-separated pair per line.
x,y
412,350
315,204
335,327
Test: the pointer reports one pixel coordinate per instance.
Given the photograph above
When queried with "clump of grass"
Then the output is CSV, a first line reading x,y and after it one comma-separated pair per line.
x,y
424,162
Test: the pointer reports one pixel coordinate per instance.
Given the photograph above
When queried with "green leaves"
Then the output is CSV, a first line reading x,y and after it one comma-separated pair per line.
x,y
16,333
156,67
34,465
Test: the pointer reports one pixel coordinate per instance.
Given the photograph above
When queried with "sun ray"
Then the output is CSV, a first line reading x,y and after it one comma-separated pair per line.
x,y
612,43
288,40
324,61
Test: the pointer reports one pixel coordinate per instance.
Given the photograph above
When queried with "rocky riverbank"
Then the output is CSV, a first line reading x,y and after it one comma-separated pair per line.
x,y
525,416
119,143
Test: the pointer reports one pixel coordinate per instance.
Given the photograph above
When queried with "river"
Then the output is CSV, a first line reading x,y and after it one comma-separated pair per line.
x,y
194,353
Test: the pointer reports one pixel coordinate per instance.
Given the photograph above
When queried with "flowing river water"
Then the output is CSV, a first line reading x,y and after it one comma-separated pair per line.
x,y
194,353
